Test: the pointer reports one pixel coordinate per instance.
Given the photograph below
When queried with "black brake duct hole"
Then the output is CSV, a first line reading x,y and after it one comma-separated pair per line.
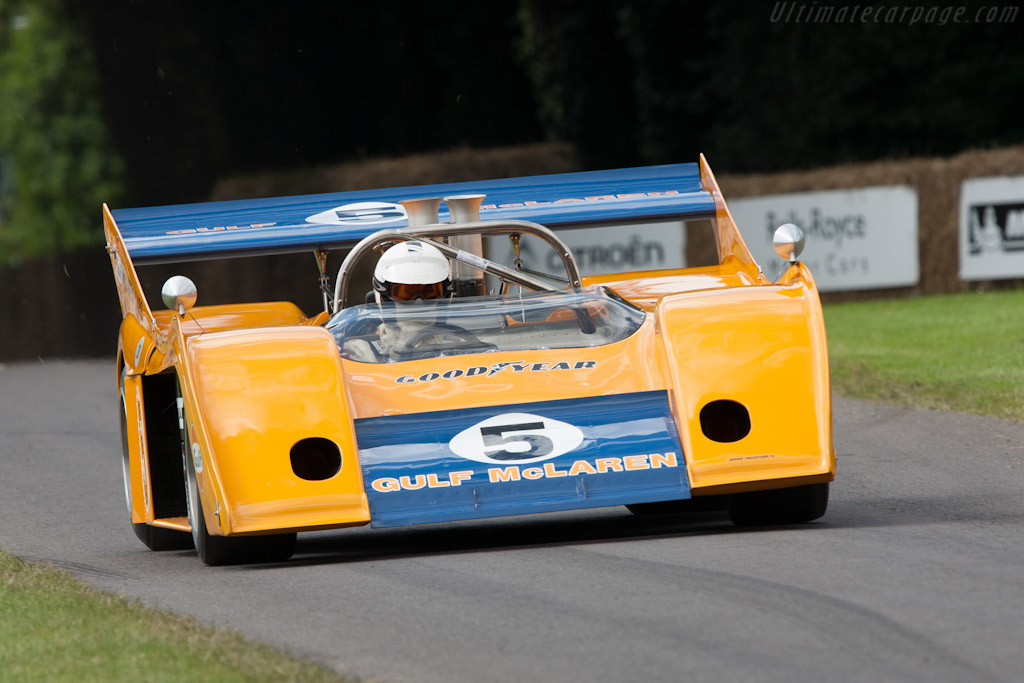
x,y
315,459
724,421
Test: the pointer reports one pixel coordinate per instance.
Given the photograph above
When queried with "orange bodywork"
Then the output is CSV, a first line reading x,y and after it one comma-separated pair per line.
x,y
256,378
250,395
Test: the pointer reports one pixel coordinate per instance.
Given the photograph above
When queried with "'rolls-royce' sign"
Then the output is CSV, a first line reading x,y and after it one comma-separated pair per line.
x,y
862,238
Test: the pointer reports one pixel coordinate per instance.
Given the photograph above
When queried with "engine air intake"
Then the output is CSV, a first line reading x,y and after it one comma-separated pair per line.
x,y
315,459
724,421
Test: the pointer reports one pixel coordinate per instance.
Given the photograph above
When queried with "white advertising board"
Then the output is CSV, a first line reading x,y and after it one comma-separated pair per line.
x,y
602,250
863,238
992,228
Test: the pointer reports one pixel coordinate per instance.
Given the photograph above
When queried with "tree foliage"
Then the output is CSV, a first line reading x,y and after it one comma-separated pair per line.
x,y
53,134
653,81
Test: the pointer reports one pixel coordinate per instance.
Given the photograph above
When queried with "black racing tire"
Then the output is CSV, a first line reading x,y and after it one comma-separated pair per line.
x,y
154,537
794,505
223,550
679,507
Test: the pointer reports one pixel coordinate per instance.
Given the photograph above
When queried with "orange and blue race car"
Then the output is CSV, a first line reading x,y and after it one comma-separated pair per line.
x,y
528,389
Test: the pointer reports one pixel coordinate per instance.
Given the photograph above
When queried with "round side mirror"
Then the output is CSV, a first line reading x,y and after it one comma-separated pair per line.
x,y
179,294
788,242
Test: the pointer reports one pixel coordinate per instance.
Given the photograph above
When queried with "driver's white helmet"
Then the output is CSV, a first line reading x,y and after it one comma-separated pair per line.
x,y
412,270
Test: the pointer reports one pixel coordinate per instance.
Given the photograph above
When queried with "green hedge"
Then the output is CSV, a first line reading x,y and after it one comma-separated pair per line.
x,y
57,164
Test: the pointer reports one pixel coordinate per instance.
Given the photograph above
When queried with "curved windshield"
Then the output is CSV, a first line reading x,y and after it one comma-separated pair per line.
x,y
391,332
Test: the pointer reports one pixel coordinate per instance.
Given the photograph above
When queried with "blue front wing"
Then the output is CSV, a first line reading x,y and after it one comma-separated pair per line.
x,y
520,459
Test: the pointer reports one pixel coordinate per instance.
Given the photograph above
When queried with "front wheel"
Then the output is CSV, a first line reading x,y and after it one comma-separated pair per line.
x,y
222,550
794,505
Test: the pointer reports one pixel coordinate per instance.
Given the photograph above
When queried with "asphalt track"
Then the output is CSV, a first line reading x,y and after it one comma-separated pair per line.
x,y
915,574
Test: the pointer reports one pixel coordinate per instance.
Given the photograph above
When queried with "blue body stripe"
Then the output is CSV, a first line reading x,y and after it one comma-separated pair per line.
x,y
628,452
185,231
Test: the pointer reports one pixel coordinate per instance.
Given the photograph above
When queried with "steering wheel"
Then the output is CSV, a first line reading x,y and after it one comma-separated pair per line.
x,y
352,339
453,337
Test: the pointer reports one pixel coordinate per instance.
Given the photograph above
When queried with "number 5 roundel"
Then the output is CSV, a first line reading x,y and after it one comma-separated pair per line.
x,y
516,439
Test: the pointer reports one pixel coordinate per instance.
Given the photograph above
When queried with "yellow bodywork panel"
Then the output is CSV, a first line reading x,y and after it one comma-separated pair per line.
x,y
250,395
138,491
137,345
764,348
208,319
646,289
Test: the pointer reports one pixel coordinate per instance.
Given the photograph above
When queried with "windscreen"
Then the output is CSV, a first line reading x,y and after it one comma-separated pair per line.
x,y
391,332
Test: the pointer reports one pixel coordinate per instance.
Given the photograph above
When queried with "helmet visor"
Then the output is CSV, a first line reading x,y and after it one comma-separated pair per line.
x,y
405,292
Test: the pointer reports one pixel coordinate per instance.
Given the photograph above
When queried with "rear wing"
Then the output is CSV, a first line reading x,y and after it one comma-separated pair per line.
x,y
730,241
129,290
324,222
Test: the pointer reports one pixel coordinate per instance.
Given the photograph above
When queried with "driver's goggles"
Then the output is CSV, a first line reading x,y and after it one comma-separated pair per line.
x,y
404,292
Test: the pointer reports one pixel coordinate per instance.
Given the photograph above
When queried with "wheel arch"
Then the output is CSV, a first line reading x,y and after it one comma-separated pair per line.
x,y
249,396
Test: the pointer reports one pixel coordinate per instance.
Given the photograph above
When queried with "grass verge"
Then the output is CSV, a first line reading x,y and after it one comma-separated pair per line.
x,y
962,352
54,628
